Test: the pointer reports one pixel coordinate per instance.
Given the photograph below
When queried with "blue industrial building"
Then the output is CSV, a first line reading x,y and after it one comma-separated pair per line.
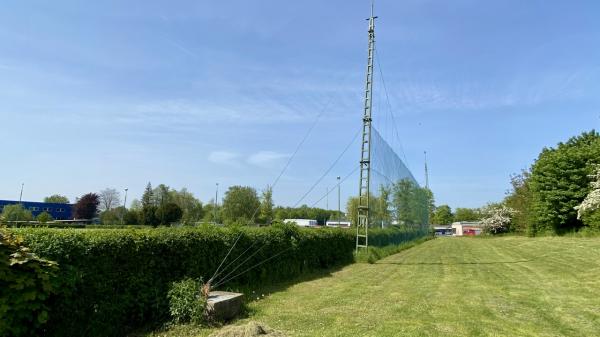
x,y
58,211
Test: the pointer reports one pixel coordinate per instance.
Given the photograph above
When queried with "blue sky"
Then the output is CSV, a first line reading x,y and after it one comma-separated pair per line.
x,y
190,93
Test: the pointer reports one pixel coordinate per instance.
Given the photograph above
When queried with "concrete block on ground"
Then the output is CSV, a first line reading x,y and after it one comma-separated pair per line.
x,y
224,305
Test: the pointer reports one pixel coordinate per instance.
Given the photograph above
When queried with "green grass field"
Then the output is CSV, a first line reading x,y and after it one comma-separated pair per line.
x,y
511,286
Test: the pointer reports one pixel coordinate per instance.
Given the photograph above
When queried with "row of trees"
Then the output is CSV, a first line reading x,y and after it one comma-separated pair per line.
x,y
443,215
403,202
559,193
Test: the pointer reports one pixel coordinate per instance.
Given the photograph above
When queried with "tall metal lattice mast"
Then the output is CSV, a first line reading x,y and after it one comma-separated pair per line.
x,y
362,228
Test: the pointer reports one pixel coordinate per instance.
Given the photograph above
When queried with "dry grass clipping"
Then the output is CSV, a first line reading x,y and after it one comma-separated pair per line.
x,y
251,329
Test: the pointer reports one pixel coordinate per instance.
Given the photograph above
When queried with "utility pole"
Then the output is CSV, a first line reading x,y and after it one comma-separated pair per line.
x,y
21,195
362,227
327,198
216,203
125,201
339,203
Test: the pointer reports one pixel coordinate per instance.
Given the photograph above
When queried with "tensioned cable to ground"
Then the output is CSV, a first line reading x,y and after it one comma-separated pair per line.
x,y
242,263
220,265
277,179
329,169
232,262
285,167
254,266
336,185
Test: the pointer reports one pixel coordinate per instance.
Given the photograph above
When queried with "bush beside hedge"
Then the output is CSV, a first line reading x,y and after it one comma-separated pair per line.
x,y
26,282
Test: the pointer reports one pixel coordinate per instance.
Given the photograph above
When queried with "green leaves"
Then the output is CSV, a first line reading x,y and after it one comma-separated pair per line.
x,y
559,182
26,283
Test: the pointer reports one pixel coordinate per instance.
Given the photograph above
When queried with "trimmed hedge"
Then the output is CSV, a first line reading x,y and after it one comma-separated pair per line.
x,y
397,235
114,281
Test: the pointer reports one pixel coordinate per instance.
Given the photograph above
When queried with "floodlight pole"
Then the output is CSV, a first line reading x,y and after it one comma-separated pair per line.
x,y
21,195
216,204
339,203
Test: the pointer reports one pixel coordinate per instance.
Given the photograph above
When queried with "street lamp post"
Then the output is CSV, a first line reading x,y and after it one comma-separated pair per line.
x,y
339,203
216,203
124,208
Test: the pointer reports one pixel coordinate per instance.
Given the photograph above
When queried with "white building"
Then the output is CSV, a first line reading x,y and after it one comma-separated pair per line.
x,y
335,223
302,222
469,228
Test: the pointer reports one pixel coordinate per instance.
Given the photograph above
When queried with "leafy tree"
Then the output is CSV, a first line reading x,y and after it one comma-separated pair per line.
x,y
109,198
466,214
57,199
380,207
16,212
115,216
520,199
239,204
352,210
135,205
210,216
162,195
305,212
589,209
148,216
443,215
131,217
44,217
148,197
168,213
193,210
402,200
498,219
431,205
420,205
148,212
411,203
560,182
266,206
87,206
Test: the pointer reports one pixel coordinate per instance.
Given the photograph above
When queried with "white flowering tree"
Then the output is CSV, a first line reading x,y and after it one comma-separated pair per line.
x,y
498,219
591,203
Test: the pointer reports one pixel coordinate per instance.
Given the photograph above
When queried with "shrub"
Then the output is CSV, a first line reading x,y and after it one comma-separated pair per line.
x,y
16,212
26,283
186,303
44,217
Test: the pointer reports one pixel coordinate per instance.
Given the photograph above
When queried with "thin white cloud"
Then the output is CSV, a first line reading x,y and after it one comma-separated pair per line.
x,y
224,157
266,158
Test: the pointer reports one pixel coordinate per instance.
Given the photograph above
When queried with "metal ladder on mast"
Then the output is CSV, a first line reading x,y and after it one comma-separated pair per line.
x,y
362,227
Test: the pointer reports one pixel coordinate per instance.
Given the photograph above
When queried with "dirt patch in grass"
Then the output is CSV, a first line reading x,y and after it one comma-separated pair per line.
x,y
252,329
